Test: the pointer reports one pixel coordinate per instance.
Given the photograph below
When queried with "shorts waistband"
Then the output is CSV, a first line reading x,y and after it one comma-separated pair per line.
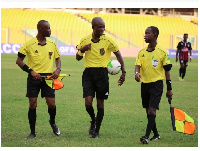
x,y
153,82
44,74
95,68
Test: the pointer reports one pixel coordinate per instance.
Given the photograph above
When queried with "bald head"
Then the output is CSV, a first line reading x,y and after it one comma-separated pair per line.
x,y
98,26
41,23
97,20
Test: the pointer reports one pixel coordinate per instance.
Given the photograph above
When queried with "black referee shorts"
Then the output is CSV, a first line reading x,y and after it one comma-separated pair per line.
x,y
95,80
34,86
151,94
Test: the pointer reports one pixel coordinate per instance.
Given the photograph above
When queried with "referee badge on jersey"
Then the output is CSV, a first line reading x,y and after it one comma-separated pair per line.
x,y
50,54
102,51
155,63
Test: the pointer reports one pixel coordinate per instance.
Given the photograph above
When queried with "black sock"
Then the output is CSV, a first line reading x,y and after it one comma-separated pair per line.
x,y
184,71
180,72
154,129
90,111
150,125
52,113
32,119
99,119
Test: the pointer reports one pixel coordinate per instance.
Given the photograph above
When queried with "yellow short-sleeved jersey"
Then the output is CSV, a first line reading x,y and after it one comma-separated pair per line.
x,y
40,58
151,64
100,52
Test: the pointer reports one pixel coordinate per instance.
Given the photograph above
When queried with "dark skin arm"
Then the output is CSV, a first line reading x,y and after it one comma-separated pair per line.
x,y
137,76
190,51
56,73
177,51
121,61
83,49
118,56
20,63
78,57
169,93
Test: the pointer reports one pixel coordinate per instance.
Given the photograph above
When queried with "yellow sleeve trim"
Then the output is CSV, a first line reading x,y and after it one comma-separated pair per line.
x,y
80,54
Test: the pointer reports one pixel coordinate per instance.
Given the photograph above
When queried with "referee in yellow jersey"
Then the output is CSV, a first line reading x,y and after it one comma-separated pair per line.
x,y
97,48
40,52
151,67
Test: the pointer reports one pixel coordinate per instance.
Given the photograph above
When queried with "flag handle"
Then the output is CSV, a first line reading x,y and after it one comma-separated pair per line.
x,y
172,115
49,75
44,76
169,100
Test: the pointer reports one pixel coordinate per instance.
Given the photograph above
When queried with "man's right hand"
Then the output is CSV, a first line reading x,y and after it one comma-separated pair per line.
x,y
138,77
176,59
86,48
36,75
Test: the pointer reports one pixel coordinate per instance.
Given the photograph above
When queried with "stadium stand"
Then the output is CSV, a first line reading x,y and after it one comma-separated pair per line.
x,y
126,29
127,26
194,20
63,24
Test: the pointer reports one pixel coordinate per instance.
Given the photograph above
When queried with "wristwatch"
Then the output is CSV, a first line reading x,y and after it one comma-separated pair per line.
x,y
59,69
136,73
124,71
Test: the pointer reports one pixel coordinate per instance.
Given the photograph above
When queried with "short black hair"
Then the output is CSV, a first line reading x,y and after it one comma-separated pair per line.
x,y
185,34
155,30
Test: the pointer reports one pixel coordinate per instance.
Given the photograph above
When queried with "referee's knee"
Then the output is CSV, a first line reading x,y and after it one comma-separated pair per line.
x,y
89,105
151,111
51,106
88,101
32,103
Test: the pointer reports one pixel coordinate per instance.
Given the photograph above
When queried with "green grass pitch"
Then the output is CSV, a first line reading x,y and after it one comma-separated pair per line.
x,y
124,120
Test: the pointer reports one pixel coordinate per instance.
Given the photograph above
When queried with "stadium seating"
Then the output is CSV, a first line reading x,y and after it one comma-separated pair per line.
x,y
126,29
194,20
63,24
132,27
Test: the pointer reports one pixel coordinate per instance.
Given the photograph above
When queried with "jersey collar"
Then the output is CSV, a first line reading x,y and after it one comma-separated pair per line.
x,y
152,50
101,37
39,43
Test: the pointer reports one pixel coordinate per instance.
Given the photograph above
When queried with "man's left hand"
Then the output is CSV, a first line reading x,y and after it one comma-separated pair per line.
x,y
55,74
169,94
121,79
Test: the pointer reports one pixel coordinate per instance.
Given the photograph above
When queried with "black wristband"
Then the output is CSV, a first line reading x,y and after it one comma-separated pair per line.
x,y
82,51
169,85
21,55
26,69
